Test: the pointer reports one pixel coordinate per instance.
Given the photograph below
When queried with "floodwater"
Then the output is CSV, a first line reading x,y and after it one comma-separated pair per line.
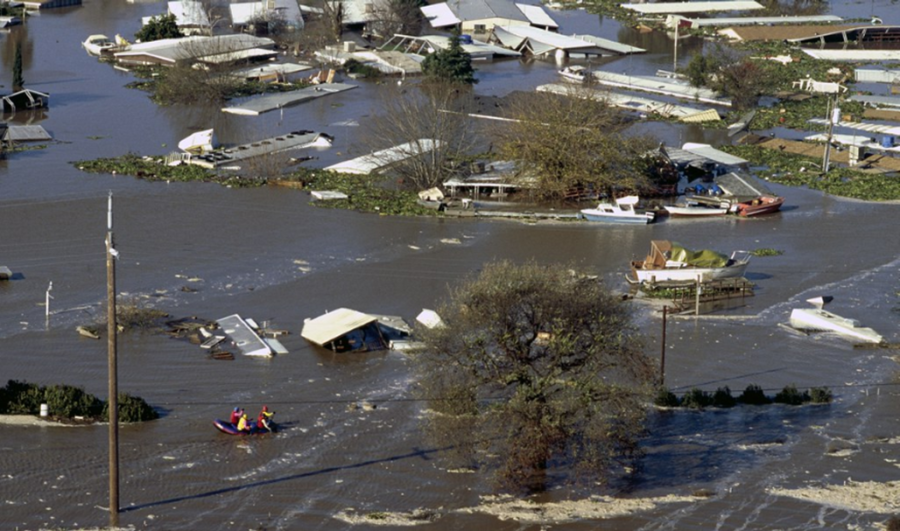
x,y
267,254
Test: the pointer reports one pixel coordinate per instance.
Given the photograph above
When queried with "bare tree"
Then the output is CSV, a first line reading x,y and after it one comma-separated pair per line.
x,y
396,16
536,367
432,112
571,142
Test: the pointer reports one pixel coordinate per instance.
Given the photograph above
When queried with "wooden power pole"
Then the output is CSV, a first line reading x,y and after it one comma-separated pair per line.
x,y
112,333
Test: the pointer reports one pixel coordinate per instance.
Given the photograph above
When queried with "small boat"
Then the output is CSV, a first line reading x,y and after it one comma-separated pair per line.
x,y
622,211
669,261
226,427
818,320
574,73
95,44
764,204
695,209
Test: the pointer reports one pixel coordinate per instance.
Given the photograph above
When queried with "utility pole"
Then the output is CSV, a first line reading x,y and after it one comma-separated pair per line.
x,y
834,118
112,332
662,357
47,298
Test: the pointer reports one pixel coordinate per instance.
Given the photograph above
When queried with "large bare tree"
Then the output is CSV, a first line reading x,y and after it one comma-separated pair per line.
x,y
572,141
536,367
435,113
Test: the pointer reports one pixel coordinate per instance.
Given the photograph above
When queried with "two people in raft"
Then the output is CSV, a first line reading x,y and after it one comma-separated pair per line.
x,y
263,422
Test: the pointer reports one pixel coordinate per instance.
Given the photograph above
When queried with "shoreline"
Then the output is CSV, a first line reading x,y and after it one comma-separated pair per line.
x,y
33,420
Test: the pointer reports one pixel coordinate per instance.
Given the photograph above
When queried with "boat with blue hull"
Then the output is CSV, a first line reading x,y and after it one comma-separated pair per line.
x,y
227,427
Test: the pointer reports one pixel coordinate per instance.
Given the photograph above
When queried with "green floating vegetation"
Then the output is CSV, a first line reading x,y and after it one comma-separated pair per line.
x,y
799,170
155,169
366,193
766,252
69,402
753,395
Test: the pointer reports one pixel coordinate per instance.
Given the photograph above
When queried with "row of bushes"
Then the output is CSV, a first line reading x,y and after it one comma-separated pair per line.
x,y
753,395
66,401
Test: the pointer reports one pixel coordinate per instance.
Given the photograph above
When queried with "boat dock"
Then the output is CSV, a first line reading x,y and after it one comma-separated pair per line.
x,y
270,102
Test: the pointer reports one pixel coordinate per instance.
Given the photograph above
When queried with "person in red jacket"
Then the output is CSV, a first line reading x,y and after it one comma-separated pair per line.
x,y
236,415
264,421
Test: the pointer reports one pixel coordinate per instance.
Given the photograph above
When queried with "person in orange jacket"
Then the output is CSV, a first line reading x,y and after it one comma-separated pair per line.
x,y
264,421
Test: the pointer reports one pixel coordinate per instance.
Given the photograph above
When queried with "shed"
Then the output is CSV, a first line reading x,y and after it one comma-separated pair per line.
x,y
24,100
343,329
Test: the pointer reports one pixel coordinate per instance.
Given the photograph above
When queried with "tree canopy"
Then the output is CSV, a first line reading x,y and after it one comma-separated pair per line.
x,y
536,367
573,142
452,64
160,27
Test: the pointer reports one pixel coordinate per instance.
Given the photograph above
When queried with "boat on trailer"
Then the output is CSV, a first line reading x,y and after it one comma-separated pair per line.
x,y
621,211
671,262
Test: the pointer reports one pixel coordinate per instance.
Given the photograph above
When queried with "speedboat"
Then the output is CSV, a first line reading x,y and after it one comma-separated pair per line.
x,y
764,204
622,211
818,320
696,209
95,44
670,261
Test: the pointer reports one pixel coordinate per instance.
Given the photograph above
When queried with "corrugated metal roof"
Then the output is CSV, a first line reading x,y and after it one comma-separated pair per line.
x,y
659,85
854,55
243,336
861,126
877,75
368,163
713,154
271,102
890,101
661,8
326,328
537,16
752,21
26,133
781,33
547,38
610,45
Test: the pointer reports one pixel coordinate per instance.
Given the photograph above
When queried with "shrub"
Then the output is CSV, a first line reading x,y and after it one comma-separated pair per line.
x,y
666,398
791,396
723,398
696,399
754,396
131,409
893,523
68,401
822,395
23,398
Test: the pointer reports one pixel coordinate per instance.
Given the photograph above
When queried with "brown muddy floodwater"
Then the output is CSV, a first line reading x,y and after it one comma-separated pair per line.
x,y
268,254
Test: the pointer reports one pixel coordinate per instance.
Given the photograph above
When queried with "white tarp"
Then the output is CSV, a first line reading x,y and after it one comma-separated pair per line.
x,y
334,324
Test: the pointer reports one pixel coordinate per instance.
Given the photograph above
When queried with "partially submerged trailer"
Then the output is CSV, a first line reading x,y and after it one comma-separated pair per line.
x,y
343,330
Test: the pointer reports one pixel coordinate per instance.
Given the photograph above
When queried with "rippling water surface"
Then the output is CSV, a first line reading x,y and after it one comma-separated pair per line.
x,y
267,254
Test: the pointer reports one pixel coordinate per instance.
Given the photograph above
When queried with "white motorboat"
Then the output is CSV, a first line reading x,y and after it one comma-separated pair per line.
x,y
95,44
692,209
671,262
818,320
574,73
622,211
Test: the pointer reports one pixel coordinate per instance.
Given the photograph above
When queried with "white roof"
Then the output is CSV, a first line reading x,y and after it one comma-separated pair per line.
x,y
238,55
538,36
610,45
243,12
440,15
379,159
661,8
326,328
537,16
713,154
854,55
189,13
671,20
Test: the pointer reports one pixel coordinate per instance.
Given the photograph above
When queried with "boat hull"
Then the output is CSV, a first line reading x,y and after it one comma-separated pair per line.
x,y
686,274
639,219
695,211
758,207
823,321
229,428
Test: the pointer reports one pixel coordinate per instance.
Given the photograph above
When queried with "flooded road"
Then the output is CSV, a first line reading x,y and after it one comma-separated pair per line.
x,y
267,254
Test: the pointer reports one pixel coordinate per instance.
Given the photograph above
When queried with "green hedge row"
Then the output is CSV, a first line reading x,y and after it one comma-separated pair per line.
x,y
752,395
66,401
